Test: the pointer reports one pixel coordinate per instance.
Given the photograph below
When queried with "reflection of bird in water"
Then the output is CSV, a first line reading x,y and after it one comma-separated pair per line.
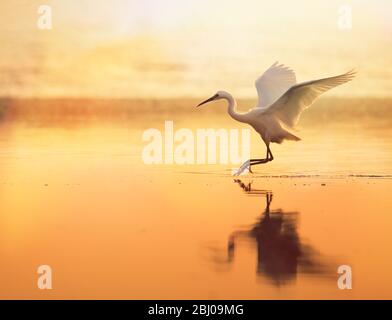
x,y
281,102
280,253
249,190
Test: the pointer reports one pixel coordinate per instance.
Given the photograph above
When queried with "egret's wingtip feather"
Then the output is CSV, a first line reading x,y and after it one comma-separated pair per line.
x,y
350,75
352,72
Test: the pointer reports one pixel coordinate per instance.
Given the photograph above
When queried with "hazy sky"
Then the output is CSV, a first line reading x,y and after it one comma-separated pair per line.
x,y
171,48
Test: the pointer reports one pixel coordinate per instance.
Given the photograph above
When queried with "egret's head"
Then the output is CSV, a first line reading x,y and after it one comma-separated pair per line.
x,y
217,96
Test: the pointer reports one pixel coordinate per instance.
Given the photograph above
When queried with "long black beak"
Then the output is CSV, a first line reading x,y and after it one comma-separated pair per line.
x,y
208,100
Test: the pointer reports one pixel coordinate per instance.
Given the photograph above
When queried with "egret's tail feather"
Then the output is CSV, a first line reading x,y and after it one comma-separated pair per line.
x,y
285,136
292,137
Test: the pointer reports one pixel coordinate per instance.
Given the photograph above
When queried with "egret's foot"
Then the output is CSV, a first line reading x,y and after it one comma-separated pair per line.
x,y
238,172
245,168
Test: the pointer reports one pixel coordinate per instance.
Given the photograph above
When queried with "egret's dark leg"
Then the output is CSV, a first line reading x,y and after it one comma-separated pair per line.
x,y
253,162
271,157
258,161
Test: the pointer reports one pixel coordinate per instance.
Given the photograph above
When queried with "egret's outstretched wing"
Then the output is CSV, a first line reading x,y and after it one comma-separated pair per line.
x,y
273,83
289,107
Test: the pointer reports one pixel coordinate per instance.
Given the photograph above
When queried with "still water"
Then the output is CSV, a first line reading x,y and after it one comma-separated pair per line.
x,y
75,195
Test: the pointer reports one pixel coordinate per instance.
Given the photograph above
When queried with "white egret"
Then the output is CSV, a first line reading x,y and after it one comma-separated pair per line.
x,y
281,102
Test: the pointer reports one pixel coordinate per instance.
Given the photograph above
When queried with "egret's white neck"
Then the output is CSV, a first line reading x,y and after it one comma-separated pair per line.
x,y
232,109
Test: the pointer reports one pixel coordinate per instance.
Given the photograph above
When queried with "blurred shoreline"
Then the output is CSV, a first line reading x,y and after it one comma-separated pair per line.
x,y
346,105
326,109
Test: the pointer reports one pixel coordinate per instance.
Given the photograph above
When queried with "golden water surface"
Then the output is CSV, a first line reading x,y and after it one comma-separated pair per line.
x,y
76,195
